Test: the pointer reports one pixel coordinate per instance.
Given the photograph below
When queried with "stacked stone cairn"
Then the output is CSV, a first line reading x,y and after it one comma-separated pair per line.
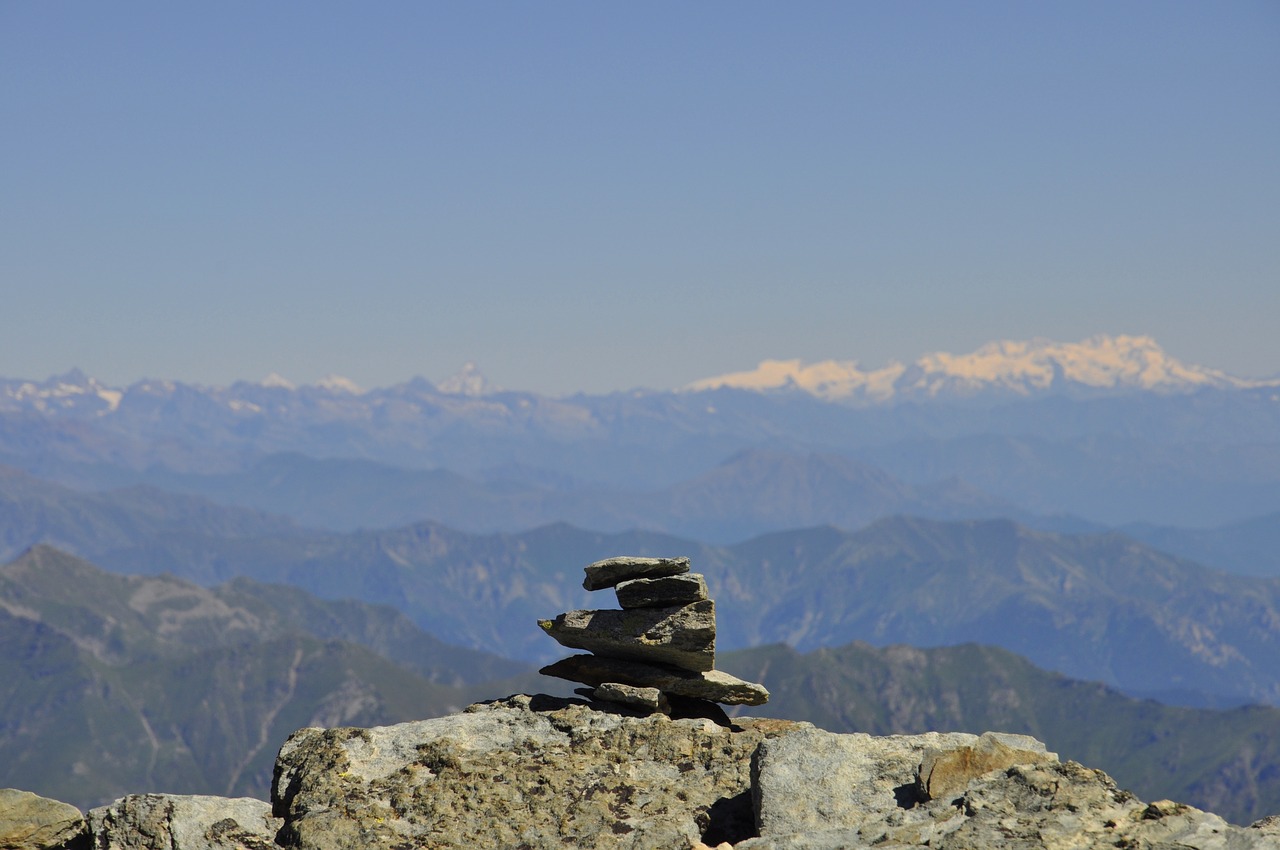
x,y
659,649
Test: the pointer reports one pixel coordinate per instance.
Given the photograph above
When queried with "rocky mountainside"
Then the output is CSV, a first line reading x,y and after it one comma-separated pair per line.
x,y
1095,606
540,772
113,683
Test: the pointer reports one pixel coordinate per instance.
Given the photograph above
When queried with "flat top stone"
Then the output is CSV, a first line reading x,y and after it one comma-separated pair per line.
x,y
610,571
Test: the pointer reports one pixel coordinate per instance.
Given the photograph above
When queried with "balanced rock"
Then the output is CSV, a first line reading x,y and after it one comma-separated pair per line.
x,y
684,637
610,571
661,592
663,638
712,685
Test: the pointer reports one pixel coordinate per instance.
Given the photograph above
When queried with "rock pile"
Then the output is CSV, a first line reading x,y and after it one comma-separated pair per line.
x,y
658,649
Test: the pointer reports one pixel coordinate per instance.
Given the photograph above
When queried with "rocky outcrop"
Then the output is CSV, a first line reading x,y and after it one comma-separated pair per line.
x,y
539,772
663,638
542,772
532,772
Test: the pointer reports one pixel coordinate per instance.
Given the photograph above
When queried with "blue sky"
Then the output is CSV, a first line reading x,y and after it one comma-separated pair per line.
x,y
584,195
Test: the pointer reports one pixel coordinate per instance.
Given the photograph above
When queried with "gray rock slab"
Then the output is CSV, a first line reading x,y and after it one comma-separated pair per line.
x,y
817,790
648,699
712,685
661,592
28,820
684,637
610,571
814,781
524,772
184,822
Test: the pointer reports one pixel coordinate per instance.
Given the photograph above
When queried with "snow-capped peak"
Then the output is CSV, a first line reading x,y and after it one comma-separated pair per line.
x,y
339,384
468,381
276,380
1018,367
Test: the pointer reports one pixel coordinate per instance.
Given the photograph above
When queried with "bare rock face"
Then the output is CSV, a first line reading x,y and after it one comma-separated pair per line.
x,y
533,772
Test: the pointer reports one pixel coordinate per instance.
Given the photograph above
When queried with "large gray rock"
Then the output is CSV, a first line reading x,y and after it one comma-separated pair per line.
x,y
29,821
178,822
713,685
683,637
610,571
821,791
662,592
816,781
531,772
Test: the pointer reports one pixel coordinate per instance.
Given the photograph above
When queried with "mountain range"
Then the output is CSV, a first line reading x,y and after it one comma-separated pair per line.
x,y
1119,434
1022,368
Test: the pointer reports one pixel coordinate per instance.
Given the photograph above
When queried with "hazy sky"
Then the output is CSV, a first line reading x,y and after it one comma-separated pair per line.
x,y
586,195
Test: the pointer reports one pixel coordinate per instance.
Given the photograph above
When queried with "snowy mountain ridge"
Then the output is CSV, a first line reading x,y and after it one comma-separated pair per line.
x,y
1020,368
1100,364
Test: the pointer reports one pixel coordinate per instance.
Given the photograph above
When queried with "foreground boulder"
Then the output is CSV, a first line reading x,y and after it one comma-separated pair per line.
x,y
543,772
533,772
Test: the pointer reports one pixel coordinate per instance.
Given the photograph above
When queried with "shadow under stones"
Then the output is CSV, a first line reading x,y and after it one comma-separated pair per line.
x,y
730,819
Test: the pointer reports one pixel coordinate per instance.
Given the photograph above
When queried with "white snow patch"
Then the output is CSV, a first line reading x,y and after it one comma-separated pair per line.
x,y
339,384
111,397
277,380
